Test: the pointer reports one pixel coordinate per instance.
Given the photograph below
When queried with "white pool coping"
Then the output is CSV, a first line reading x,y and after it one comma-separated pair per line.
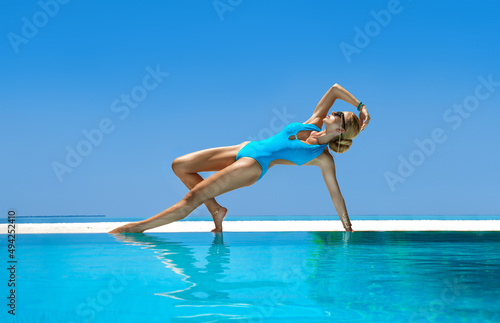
x,y
266,226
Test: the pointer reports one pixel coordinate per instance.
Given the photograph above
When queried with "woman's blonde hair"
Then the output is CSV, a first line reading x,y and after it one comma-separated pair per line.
x,y
342,143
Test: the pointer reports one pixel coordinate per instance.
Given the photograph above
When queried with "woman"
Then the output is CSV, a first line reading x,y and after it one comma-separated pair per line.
x,y
244,164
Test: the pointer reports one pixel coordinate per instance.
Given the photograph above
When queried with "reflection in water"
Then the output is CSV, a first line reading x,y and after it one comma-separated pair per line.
x,y
208,286
361,273
204,282
360,276
399,275
330,266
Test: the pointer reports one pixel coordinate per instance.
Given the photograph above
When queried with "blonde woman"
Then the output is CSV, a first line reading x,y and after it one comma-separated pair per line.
x,y
245,164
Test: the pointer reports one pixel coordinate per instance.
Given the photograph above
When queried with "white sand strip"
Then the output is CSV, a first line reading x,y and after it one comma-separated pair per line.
x,y
268,226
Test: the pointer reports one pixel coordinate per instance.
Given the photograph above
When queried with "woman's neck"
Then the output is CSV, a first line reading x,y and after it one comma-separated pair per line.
x,y
323,137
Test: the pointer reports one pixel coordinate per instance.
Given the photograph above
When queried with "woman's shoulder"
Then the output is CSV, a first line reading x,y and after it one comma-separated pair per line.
x,y
314,121
311,126
299,126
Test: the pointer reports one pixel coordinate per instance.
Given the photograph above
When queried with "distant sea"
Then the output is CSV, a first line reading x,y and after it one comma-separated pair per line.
x,y
103,218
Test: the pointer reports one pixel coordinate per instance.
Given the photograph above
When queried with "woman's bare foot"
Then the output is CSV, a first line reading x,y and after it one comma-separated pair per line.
x,y
218,217
127,228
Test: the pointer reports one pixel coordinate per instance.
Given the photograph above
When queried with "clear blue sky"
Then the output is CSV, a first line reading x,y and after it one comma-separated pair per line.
x,y
202,74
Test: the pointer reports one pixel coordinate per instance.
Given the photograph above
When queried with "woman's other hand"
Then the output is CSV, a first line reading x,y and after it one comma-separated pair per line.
x,y
364,117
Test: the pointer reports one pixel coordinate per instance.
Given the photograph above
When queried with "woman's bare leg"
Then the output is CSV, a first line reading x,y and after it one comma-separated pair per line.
x,y
243,172
217,211
214,159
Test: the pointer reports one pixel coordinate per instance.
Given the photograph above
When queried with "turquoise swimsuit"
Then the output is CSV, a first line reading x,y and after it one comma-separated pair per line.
x,y
280,147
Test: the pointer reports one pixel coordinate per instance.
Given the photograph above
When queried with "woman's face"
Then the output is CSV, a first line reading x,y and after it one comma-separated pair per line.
x,y
335,121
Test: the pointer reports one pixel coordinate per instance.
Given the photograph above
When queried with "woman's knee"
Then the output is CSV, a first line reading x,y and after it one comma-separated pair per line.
x,y
195,197
202,192
179,165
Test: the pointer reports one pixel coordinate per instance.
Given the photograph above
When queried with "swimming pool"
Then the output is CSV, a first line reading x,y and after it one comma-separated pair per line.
x,y
258,277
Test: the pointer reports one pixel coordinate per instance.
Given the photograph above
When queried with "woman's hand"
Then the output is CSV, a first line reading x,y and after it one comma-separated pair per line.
x,y
127,228
364,117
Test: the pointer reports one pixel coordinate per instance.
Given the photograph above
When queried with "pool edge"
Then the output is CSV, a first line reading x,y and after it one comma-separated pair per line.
x,y
267,226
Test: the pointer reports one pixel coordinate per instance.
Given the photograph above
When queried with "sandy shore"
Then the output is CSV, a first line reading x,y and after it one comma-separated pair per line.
x,y
268,226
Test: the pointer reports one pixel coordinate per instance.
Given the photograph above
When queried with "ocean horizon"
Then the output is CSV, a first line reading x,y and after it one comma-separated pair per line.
x,y
104,218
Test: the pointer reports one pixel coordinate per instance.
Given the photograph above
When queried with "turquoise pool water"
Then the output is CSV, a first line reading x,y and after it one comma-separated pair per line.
x,y
257,277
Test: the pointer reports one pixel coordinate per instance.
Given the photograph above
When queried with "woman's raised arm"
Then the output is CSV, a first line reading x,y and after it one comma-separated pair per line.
x,y
338,92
